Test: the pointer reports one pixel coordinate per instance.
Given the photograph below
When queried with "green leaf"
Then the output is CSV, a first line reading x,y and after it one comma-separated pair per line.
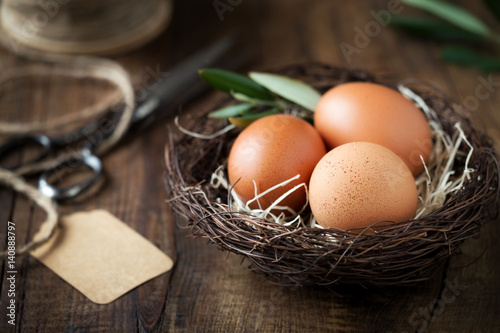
x,y
432,28
453,14
257,102
231,111
250,117
494,6
468,57
290,89
460,55
489,66
228,81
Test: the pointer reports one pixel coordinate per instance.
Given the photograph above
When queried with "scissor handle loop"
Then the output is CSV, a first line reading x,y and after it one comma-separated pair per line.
x,y
70,192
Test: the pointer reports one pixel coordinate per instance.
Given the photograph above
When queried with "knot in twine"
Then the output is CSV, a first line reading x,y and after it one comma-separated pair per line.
x,y
79,67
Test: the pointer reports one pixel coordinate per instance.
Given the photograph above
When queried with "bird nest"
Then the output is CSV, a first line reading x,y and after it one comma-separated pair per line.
x,y
458,194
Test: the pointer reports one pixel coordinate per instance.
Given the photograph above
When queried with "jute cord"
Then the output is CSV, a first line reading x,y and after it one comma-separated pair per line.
x,y
49,225
72,67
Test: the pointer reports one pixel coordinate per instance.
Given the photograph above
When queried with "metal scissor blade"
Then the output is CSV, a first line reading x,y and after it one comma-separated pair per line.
x,y
181,77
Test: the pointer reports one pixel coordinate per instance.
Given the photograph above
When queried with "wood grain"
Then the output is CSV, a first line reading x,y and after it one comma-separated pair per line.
x,y
211,291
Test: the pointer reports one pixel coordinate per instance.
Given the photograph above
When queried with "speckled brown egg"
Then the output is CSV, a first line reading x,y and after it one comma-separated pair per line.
x,y
271,150
360,183
362,111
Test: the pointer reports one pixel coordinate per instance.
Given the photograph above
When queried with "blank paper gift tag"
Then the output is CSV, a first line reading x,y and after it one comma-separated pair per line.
x,y
101,256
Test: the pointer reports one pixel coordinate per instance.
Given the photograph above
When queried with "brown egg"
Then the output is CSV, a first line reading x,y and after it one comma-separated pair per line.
x,y
360,183
271,150
362,111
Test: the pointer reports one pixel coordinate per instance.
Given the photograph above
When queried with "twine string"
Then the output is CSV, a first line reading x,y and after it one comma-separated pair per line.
x,y
84,115
80,67
49,225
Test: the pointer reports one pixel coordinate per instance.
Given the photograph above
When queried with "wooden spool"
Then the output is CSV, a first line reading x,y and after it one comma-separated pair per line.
x,y
106,27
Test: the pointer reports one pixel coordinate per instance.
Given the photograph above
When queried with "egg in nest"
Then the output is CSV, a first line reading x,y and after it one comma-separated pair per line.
x,y
359,184
369,112
270,151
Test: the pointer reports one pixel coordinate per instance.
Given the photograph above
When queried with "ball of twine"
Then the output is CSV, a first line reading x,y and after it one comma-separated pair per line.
x,y
84,27
403,254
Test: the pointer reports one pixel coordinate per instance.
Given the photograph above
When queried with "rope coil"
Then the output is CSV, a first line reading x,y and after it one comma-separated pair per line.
x,y
83,27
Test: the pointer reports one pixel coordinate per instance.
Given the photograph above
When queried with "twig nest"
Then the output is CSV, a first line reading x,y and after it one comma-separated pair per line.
x,y
458,192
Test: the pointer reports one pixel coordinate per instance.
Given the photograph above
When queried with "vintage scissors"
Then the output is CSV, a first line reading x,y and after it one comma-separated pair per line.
x,y
180,79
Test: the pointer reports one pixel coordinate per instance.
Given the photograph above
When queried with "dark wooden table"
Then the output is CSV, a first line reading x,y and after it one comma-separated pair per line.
x,y
211,291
